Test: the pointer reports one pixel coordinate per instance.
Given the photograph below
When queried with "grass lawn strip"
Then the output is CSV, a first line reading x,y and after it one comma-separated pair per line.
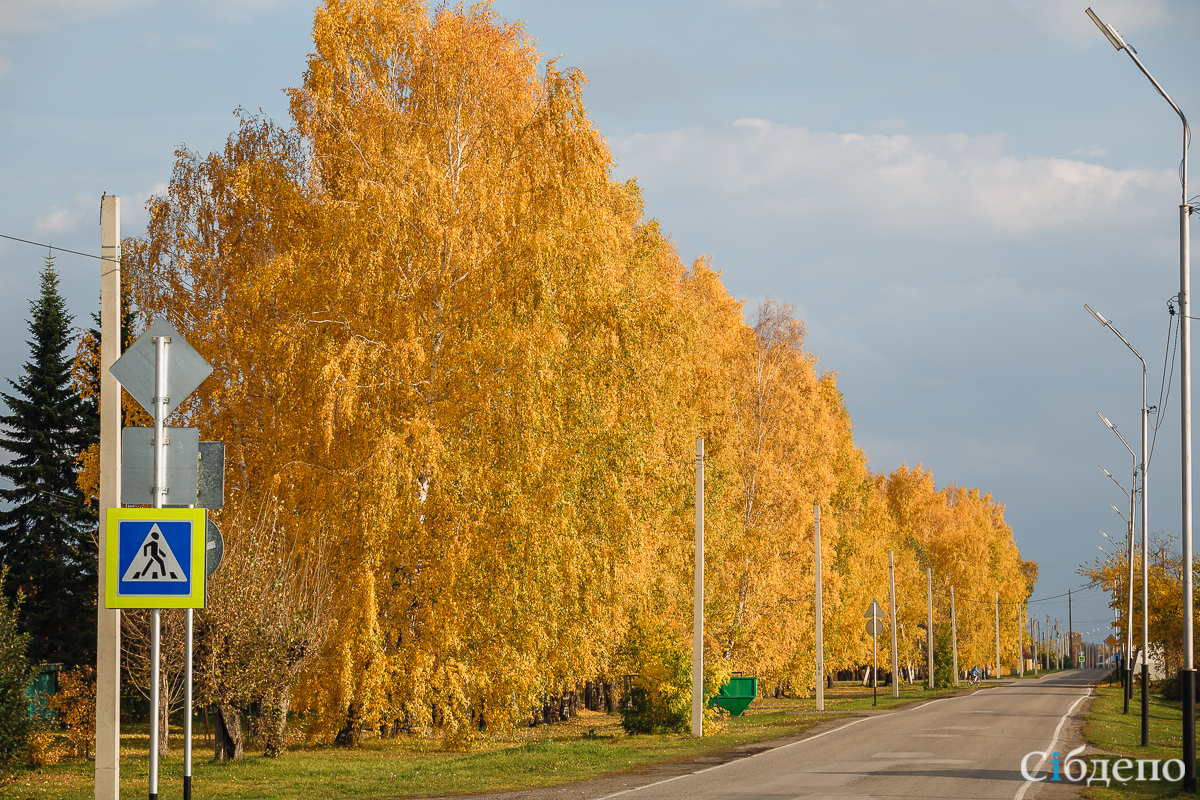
x,y
1116,734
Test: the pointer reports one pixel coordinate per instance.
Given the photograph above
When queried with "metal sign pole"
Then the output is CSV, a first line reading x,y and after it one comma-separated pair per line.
x,y
160,490
875,665
143,372
187,708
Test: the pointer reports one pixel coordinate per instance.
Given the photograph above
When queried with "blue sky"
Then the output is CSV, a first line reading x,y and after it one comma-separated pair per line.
x,y
937,186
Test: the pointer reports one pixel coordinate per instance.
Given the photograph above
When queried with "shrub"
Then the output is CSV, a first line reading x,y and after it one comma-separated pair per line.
x,y
660,699
943,658
76,707
15,677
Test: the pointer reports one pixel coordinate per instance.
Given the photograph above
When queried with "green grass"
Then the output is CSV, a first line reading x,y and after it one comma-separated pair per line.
x,y
1109,728
589,746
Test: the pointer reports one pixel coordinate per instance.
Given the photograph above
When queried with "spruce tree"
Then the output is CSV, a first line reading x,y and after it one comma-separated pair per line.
x,y
46,529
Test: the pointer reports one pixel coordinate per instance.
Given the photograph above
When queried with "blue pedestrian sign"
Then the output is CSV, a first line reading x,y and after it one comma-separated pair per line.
x,y
155,558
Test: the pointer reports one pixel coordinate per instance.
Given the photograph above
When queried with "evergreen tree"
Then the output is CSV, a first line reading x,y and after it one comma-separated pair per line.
x,y
46,529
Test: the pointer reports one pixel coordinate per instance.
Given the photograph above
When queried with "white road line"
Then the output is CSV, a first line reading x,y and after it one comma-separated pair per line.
x,y
1025,786
727,763
931,702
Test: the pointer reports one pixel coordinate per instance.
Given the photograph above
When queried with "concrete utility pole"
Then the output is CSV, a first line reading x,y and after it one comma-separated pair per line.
x,y
698,602
929,622
895,655
1034,642
108,621
1020,641
1070,633
997,634
820,665
954,635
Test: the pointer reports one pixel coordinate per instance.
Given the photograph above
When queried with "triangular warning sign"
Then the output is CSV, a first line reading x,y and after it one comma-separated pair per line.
x,y
155,562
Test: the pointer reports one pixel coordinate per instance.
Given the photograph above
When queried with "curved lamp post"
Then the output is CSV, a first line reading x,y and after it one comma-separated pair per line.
x,y
1187,675
1129,522
1145,529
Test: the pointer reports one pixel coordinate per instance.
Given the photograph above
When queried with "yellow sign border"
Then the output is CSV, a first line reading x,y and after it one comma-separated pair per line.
x,y
112,564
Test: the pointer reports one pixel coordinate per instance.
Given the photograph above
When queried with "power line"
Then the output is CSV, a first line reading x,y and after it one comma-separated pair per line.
x,y
59,249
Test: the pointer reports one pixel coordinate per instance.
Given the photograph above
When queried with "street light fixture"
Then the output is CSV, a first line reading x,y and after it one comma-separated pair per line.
x,y
1131,494
1187,674
1145,525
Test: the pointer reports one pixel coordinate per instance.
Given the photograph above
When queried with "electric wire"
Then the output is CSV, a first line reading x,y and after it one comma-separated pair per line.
x,y
1168,375
52,248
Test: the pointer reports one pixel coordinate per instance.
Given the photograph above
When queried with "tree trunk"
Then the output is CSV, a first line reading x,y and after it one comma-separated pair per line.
x,y
164,708
349,734
227,735
275,724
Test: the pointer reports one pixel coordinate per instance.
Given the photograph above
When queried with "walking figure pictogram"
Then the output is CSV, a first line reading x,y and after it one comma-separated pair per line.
x,y
155,561
150,548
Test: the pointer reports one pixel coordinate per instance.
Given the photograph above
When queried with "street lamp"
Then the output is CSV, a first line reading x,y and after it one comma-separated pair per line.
x,y
1128,671
1145,529
1187,675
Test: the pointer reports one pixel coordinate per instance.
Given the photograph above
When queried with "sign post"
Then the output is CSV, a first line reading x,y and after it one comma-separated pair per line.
x,y
147,572
873,628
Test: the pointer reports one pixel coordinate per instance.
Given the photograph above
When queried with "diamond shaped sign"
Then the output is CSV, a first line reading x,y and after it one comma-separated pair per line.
x,y
186,369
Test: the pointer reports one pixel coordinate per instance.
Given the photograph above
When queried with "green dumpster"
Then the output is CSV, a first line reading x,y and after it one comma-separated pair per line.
x,y
736,695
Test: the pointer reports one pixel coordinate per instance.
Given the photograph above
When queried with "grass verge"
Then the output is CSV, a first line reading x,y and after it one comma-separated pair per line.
x,y
1110,729
590,746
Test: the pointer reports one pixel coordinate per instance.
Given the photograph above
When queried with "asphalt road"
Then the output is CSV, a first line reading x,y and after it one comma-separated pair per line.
x,y
969,746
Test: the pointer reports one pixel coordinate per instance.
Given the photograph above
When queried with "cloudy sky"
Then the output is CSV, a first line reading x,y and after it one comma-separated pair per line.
x,y
937,186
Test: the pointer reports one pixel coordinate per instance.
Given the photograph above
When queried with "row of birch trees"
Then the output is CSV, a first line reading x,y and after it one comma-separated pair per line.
x,y
460,376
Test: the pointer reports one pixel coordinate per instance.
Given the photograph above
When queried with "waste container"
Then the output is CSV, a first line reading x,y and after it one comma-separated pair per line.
x,y
736,695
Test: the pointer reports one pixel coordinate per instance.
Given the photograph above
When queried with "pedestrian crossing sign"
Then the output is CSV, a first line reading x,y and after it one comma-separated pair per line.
x,y
155,558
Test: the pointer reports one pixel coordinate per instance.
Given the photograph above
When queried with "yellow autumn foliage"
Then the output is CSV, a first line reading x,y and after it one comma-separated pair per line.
x,y
466,374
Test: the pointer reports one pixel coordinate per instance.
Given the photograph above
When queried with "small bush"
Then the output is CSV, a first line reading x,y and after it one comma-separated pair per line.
x,y
76,707
15,677
43,749
943,658
660,700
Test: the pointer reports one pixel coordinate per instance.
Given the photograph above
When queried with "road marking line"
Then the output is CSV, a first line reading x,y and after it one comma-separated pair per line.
x,y
727,763
1025,786
931,702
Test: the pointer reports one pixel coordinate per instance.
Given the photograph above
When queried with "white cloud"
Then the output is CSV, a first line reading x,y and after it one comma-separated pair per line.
x,y
951,183
62,219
